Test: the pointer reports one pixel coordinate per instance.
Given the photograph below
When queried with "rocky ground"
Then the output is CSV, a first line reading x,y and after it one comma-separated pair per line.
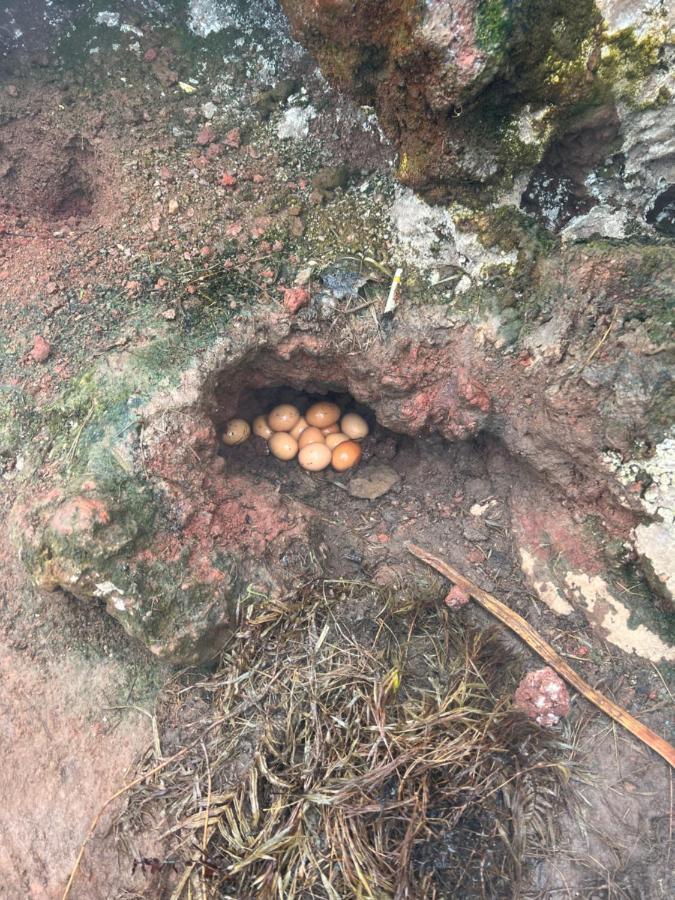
x,y
194,224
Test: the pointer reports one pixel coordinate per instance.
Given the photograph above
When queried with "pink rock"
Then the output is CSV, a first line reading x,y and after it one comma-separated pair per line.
x,y
213,150
295,299
233,139
543,695
150,54
81,514
206,136
41,349
456,597
228,180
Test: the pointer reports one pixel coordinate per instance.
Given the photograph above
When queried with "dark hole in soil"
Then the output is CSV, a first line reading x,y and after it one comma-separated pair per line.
x,y
557,190
662,213
48,177
72,194
421,488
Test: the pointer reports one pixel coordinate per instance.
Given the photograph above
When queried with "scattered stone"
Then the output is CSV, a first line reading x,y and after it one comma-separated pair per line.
x,y
456,597
209,110
11,90
303,277
52,287
233,138
213,151
173,206
41,349
294,123
330,178
150,54
206,136
542,694
295,299
373,482
165,173
169,314
228,180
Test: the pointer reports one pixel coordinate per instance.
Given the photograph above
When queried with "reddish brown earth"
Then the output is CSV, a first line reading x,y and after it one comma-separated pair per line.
x,y
100,200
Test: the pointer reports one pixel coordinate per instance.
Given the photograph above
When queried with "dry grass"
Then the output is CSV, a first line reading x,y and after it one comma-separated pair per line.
x,y
347,748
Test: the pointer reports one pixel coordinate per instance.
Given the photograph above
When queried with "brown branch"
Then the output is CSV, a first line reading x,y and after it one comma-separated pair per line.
x,y
517,624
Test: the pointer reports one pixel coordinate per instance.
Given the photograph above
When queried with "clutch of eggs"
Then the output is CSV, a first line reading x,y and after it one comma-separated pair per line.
x,y
319,438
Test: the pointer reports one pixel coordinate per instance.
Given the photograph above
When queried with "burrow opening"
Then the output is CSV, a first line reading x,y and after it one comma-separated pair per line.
x,y
407,487
48,178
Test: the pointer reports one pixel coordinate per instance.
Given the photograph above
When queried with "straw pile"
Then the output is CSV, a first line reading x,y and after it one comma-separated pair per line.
x,y
349,747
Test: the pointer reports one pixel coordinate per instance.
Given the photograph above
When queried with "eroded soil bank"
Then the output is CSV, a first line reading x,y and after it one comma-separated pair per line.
x,y
196,225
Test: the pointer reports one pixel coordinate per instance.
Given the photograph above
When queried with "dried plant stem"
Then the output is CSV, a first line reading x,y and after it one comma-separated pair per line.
x,y
132,784
517,624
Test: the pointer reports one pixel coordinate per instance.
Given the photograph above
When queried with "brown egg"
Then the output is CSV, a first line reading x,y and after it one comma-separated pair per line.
x,y
346,455
298,428
323,414
283,446
331,429
354,426
283,417
310,435
261,428
332,440
236,432
315,457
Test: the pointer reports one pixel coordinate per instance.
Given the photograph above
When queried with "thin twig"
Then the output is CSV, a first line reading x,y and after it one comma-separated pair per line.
x,y
517,624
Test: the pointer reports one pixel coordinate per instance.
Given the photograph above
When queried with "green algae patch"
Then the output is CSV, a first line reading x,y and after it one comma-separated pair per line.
x,y
627,61
493,25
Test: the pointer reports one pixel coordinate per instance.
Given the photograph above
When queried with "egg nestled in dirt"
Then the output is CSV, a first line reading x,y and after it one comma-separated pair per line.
x,y
283,446
261,428
323,414
283,417
315,457
298,428
346,455
354,426
332,440
310,435
236,432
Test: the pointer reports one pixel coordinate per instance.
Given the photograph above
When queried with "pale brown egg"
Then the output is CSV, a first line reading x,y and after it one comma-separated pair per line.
x,y
261,428
331,429
323,414
310,435
332,440
315,457
298,428
236,432
283,417
283,446
354,426
346,455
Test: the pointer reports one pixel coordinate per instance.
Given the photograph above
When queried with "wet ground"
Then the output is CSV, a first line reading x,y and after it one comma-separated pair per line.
x,y
118,188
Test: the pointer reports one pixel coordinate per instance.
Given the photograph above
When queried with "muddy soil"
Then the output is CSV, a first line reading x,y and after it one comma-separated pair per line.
x,y
115,198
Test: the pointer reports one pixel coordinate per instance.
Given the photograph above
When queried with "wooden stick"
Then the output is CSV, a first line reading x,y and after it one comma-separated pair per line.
x,y
517,624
